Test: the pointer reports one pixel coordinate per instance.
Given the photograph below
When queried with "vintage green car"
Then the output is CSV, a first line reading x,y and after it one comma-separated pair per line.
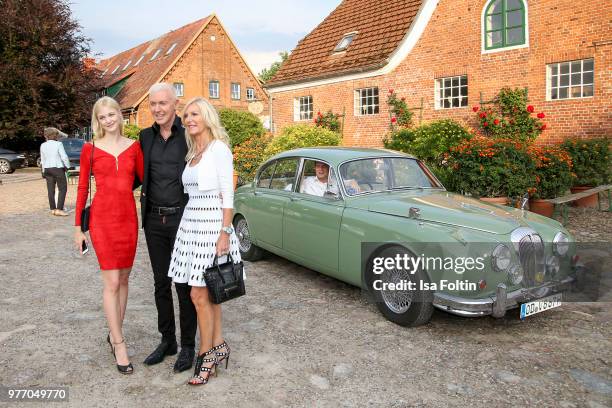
x,y
375,218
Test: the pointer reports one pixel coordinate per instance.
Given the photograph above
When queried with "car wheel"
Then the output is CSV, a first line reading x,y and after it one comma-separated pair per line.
x,y
38,162
248,250
404,307
5,167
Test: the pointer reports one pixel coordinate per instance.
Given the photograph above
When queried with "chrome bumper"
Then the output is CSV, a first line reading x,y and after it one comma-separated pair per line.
x,y
502,301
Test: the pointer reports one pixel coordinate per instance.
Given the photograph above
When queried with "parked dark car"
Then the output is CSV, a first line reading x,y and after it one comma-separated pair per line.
x,y
73,149
10,161
28,146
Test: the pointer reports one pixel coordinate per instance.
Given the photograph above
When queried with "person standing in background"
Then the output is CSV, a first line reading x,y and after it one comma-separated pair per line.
x,y
54,162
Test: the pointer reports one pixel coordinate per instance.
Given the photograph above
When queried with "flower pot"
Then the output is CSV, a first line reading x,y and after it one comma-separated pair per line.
x,y
589,201
495,200
541,207
235,179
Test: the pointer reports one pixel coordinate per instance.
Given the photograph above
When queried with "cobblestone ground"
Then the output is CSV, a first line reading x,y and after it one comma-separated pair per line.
x,y
298,338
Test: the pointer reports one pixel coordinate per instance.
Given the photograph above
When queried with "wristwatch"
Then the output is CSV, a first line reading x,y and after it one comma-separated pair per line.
x,y
228,230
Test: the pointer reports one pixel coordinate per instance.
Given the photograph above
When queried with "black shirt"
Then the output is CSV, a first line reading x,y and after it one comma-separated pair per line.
x,y
167,162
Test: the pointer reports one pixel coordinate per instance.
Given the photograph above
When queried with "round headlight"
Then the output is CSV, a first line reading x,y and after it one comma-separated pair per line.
x,y
515,274
552,265
501,258
561,244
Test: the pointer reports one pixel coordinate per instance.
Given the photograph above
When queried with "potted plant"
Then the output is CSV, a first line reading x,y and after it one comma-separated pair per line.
x,y
591,165
491,169
553,177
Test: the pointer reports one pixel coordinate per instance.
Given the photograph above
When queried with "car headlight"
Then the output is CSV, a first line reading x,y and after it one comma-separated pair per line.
x,y
552,265
515,274
501,258
561,244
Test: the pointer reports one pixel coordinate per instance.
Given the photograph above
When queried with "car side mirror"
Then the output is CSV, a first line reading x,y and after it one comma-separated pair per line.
x,y
524,201
331,195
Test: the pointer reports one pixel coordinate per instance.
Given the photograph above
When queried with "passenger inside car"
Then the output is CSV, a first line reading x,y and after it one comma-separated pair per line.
x,y
320,182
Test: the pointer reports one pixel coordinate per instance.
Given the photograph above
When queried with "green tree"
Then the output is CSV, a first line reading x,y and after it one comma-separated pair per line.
x,y
266,74
45,79
240,125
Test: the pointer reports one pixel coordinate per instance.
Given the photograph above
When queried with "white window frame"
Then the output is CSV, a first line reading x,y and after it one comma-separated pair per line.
x,y
439,85
549,77
215,94
156,54
301,111
127,65
179,88
359,108
339,47
139,60
171,48
116,68
250,91
483,35
235,96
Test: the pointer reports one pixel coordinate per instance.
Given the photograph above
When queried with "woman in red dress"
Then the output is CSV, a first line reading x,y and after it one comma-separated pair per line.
x,y
113,225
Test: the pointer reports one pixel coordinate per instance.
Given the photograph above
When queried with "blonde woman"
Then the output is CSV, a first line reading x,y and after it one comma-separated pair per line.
x,y
113,225
206,227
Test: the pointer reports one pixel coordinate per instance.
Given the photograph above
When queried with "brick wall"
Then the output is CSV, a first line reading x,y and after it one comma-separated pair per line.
x,y
207,60
559,30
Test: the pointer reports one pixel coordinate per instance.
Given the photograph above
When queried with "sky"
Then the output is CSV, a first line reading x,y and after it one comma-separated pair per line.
x,y
260,28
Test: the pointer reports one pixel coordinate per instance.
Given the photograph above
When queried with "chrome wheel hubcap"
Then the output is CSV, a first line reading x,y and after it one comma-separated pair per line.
x,y
4,167
397,301
244,239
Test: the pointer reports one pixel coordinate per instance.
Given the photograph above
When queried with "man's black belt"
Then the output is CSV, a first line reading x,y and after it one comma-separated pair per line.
x,y
163,210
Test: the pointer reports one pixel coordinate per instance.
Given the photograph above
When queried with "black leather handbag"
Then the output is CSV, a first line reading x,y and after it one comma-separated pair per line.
x,y
224,281
86,213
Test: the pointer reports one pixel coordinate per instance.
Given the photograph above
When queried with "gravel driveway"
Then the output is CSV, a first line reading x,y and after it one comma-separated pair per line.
x,y
298,338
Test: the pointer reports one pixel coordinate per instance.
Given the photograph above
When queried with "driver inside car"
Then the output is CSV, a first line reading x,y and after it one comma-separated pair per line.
x,y
321,182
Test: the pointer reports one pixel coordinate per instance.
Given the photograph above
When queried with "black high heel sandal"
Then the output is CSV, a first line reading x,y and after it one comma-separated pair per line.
x,y
222,355
199,368
123,369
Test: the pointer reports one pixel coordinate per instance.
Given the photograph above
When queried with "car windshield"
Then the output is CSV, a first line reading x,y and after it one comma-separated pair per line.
x,y
73,145
385,174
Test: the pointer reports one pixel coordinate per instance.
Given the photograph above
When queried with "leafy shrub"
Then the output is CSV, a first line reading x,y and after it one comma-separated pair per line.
x,y
240,125
295,136
131,131
485,167
511,117
591,160
553,172
330,121
249,155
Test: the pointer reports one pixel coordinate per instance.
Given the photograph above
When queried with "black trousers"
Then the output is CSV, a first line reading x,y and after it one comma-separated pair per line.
x,y
56,175
160,232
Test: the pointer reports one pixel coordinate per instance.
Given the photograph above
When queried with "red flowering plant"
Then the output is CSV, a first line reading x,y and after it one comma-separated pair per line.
x,y
328,120
400,115
510,117
490,167
553,171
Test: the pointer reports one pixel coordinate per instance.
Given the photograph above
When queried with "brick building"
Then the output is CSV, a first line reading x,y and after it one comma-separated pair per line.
x,y
447,56
200,59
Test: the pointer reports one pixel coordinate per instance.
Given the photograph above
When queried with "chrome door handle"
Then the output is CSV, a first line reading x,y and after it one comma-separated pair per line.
x,y
256,193
294,198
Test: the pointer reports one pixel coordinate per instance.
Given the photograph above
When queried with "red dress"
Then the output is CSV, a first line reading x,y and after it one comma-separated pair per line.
x,y
113,224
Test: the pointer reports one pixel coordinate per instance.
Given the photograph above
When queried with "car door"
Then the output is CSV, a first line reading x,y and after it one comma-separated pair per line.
x,y
311,225
272,191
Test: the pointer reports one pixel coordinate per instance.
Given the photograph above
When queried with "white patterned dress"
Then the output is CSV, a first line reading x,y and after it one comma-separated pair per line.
x,y
196,239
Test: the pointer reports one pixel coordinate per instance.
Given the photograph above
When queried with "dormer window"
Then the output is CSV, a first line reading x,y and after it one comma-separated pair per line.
x,y
171,48
127,65
116,68
345,42
155,55
104,73
139,59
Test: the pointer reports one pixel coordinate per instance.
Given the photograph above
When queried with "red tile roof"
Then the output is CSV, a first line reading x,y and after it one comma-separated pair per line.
x,y
380,25
148,72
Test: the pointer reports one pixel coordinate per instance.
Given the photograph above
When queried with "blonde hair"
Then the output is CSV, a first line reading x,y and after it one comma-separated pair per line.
x,y
96,127
211,119
51,133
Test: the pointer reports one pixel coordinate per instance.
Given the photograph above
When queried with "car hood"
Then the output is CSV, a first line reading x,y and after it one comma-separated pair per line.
x,y
447,208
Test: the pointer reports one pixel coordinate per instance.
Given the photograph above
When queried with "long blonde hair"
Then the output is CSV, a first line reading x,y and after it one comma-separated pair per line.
x,y
211,119
96,127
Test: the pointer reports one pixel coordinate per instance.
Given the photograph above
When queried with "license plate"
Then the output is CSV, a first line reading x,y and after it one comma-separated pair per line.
x,y
540,305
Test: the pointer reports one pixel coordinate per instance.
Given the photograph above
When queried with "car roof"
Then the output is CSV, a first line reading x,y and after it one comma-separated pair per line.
x,y
336,155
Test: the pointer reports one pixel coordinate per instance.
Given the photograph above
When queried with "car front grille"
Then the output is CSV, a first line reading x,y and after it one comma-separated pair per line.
x,y
530,248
